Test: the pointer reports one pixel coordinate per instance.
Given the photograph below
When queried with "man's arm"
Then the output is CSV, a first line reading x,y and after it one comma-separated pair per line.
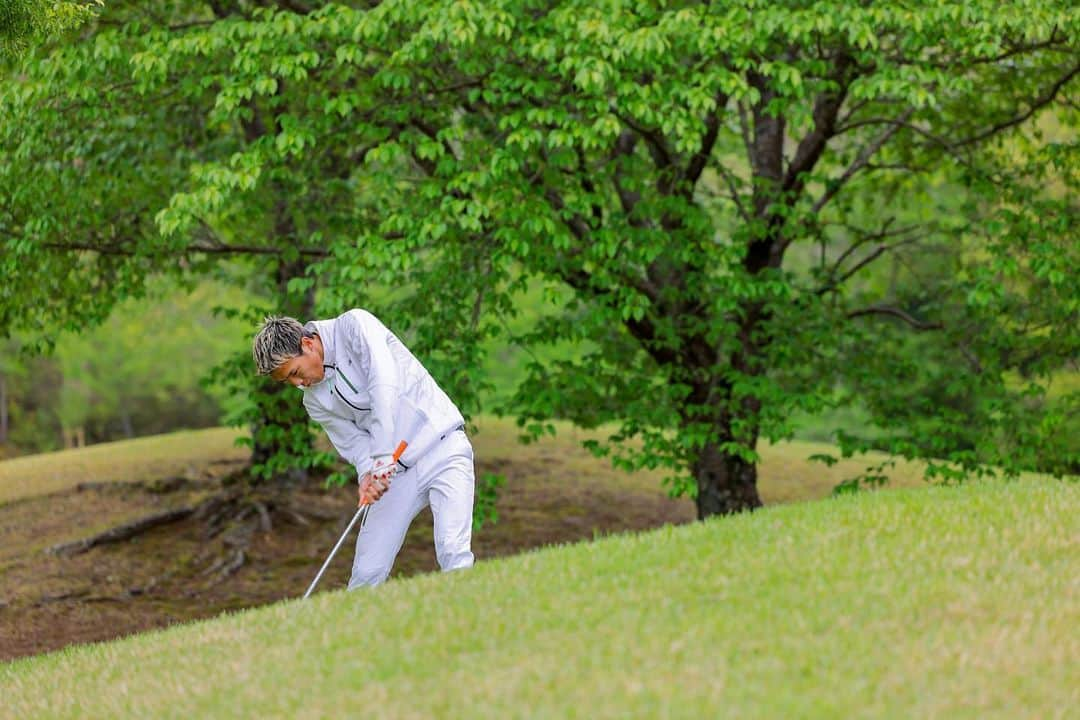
x,y
369,346
351,442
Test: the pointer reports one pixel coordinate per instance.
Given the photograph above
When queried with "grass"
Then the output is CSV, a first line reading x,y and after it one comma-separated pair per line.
x,y
785,473
936,602
147,458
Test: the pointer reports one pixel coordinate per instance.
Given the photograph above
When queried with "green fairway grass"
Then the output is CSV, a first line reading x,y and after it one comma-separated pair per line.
x,y
785,472
142,459
932,602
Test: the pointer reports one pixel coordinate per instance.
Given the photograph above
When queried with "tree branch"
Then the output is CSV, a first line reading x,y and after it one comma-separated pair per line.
x,y
833,186
897,313
587,184
878,252
767,164
581,231
643,330
826,109
835,282
574,222
660,154
123,251
744,130
624,147
1036,105
952,145
190,24
1056,39
767,154
729,179
701,158
433,135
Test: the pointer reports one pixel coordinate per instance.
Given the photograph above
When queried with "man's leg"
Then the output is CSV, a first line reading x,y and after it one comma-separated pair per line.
x,y
450,491
384,530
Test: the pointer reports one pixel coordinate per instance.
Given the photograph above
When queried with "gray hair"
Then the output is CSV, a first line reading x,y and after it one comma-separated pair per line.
x,y
277,342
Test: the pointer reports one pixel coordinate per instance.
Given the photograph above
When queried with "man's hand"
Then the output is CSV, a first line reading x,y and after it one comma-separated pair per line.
x,y
376,480
370,491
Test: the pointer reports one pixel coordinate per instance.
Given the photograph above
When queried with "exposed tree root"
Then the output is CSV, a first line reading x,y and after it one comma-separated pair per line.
x,y
122,532
72,595
231,515
225,566
82,596
160,486
296,516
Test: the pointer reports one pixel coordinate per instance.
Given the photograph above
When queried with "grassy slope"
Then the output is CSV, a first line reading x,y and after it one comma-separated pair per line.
x,y
937,602
147,459
785,472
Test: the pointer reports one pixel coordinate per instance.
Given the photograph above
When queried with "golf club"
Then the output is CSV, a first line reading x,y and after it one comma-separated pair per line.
x,y
363,511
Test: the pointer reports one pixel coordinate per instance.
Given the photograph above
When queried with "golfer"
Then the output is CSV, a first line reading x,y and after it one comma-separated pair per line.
x,y
369,393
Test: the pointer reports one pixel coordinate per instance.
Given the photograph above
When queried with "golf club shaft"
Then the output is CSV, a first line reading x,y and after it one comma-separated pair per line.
x,y
361,511
398,452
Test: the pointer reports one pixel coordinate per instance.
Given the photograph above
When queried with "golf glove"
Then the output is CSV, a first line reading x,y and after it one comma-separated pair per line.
x,y
383,468
376,480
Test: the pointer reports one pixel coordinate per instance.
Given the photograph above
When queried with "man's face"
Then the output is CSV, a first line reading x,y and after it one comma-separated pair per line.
x,y
304,370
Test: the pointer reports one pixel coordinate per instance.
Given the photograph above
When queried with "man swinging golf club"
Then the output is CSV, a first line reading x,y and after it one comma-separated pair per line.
x,y
372,396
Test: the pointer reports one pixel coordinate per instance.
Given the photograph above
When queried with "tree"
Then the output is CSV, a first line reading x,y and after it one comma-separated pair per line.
x,y
710,189
81,236
714,184
24,21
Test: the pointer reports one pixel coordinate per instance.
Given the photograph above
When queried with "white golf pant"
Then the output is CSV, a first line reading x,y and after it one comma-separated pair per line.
x,y
443,478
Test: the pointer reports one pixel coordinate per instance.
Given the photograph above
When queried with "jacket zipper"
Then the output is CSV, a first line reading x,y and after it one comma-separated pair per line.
x,y
351,387
354,407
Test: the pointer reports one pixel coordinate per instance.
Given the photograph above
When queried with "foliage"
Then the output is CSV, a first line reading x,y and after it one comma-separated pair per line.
x,y
487,492
712,192
31,393
24,21
139,373
115,152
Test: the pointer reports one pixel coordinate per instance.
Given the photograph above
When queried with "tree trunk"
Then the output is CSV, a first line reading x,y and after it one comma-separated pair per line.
x,y
3,410
279,404
125,422
726,483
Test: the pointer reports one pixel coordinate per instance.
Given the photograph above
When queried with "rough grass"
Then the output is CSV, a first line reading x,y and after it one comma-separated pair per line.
x,y
786,474
935,602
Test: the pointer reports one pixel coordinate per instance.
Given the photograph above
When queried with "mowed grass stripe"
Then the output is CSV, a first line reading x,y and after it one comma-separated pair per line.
x,y
935,602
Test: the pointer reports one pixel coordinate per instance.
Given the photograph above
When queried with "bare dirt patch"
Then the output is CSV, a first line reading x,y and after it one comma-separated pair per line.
x,y
167,575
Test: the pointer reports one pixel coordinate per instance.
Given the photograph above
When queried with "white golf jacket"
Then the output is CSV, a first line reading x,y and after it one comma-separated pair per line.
x,y
375,393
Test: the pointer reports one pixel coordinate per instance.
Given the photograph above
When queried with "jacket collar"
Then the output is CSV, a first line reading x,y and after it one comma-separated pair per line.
x,y
325,330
